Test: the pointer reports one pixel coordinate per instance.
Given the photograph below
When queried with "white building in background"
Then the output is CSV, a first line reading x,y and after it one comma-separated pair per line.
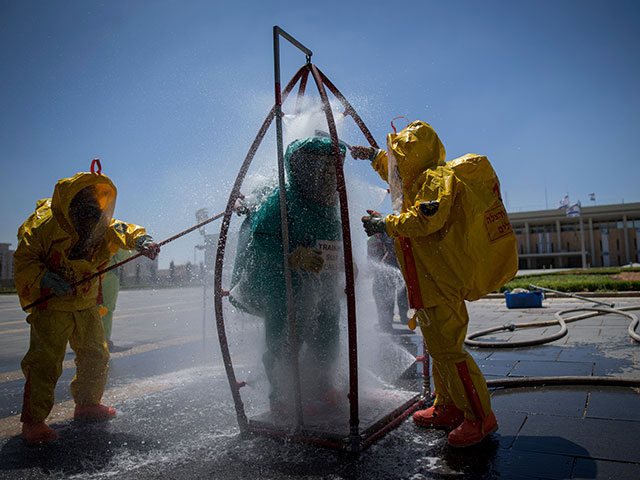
x,y
141,270
602,236
6,262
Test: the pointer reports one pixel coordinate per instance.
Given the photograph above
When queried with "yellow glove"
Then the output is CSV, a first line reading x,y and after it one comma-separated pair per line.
x,y
307,259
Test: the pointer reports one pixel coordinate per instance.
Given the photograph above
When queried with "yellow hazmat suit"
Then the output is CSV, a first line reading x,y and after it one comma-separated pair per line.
x,y
462,251
72,235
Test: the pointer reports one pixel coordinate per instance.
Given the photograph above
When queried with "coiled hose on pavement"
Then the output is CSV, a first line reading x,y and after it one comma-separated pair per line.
x,y
515,382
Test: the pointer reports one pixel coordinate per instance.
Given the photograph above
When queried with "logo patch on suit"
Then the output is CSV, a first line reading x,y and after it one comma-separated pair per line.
x,y
496,221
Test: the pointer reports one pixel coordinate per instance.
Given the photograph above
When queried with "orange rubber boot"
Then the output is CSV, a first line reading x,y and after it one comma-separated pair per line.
x,y
472,432
38,432
439,416
93,413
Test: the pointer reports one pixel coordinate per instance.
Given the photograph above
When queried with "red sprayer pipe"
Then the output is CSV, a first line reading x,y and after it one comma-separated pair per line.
x,y
301,90
349,110
119,264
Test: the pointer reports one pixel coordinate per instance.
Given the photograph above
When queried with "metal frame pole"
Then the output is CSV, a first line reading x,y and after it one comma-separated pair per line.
x,y
354,417
293,343
222,243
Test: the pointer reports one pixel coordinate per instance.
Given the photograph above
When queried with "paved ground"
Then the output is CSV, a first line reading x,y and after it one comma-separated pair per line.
x,y
176,418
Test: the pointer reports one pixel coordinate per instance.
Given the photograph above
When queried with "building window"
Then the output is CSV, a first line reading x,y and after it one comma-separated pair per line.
x,y
605,225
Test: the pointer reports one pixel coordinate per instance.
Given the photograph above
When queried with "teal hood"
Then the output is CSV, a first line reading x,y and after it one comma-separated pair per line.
x,y
309,144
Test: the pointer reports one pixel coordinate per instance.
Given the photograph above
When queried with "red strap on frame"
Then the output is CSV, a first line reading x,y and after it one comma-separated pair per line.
x,y
94,162
396,118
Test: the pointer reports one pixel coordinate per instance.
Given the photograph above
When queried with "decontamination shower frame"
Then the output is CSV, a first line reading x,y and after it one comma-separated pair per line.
x,y
357,440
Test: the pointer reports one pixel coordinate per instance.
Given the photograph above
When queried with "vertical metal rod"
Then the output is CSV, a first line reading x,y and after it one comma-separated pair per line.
x,y
354,419
204,313
222,242
426,372
284,222
583,252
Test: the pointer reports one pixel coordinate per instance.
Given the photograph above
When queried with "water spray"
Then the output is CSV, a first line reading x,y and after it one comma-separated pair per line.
x,y
357,436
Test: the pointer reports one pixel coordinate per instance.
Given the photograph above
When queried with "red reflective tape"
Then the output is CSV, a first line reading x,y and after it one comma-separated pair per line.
x,y
411,274
470,390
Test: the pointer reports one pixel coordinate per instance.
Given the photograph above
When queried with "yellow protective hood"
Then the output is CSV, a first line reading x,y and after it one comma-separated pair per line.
x,y
66,189
416,149
48,236
465,249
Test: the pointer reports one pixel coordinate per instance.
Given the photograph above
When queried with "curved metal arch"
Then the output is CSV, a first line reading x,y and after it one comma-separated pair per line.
x,y
222,242
348,257
321,80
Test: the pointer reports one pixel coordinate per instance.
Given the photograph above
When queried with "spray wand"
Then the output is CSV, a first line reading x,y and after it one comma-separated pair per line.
x,y
565,294
133,257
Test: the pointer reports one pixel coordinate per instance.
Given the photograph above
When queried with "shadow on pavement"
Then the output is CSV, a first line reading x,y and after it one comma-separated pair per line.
x,y
80,448
532,462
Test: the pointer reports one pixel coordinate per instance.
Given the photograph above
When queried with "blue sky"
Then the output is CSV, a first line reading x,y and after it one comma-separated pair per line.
x,y
170,94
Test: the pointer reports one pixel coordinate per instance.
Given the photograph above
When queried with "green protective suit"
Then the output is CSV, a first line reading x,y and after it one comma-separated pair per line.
x,y
258,283
110,289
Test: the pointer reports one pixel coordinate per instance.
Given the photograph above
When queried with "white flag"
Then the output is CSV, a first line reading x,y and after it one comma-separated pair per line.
x,y
564,203
574,210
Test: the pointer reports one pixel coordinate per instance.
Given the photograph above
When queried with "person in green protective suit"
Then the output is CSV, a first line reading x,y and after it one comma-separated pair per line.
x,y
315,243
110,289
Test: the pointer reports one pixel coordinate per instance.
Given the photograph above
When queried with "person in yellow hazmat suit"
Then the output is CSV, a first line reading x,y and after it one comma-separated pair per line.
x,y
454,243
69,237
